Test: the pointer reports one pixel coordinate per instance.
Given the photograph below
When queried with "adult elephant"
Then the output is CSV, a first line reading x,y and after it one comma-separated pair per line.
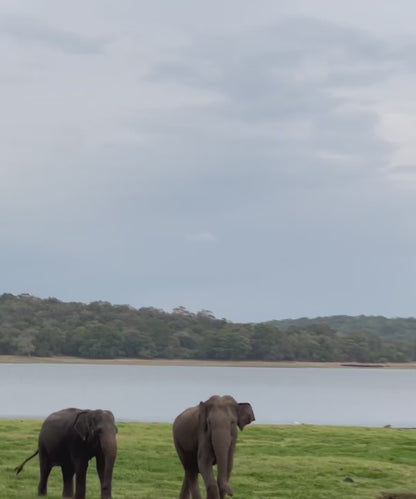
x,y
206,435
70,438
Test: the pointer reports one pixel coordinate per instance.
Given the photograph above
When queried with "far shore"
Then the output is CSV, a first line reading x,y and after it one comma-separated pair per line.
x,y
23,359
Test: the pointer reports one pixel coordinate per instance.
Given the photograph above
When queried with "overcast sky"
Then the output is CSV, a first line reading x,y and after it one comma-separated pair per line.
x,y
255,159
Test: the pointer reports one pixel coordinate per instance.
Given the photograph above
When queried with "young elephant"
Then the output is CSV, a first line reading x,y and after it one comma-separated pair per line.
x,y
69,439
206,435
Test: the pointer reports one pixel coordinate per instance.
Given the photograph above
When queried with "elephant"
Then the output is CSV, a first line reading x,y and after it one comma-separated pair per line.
x,y
70,438
206,435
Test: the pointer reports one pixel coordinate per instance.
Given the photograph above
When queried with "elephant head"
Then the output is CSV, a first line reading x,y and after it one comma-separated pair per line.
x,y
97,430
227,410
94,425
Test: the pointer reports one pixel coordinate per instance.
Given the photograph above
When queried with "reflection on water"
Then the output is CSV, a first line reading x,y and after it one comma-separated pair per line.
x,y
333,396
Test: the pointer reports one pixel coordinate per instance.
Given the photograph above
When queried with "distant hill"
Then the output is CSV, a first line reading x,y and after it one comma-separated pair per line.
x,y
50,327
395,328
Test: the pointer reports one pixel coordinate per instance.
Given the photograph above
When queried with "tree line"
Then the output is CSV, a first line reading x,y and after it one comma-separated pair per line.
x,y
50,327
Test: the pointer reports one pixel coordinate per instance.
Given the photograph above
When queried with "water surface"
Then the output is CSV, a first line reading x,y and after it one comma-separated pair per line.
x,y
331,396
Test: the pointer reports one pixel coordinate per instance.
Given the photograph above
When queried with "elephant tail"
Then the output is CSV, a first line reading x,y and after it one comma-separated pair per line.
x,y
19,468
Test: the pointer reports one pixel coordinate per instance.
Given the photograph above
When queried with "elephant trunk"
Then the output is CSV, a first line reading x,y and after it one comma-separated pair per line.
x,y
105,467
221,443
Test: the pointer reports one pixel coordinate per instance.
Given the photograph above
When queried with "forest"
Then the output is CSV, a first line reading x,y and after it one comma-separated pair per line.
x,y
49,327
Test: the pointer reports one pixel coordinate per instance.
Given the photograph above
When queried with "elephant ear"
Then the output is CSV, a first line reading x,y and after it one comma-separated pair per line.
x,y
203,425
245,414
82,425
113,421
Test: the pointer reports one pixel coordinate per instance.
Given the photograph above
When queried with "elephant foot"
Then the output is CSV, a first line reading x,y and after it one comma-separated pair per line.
x,y
213,492
225,489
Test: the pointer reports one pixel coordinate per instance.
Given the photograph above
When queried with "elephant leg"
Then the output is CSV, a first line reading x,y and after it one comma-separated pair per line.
x,y
81,480
68,479
205,468
193,485
45,469
190,486
184,493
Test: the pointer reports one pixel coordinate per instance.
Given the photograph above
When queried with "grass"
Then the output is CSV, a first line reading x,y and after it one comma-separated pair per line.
x,y
271,462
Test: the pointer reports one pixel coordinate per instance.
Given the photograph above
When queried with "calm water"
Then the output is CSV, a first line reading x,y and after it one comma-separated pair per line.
x,y
349,396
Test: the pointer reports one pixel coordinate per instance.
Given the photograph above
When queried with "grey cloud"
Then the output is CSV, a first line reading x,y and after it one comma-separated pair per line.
x,y
261,55
263,77
29,30
262,80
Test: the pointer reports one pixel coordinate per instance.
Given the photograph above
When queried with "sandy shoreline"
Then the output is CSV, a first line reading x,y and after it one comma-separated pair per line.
x,y
15,359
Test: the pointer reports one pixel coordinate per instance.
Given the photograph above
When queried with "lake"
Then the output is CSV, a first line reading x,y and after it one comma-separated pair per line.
x,y
324,396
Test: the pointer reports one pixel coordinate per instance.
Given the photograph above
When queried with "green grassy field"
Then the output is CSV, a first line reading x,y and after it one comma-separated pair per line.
x,y
271,462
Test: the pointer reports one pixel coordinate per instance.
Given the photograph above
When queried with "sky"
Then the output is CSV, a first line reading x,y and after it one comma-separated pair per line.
x,y
253,159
